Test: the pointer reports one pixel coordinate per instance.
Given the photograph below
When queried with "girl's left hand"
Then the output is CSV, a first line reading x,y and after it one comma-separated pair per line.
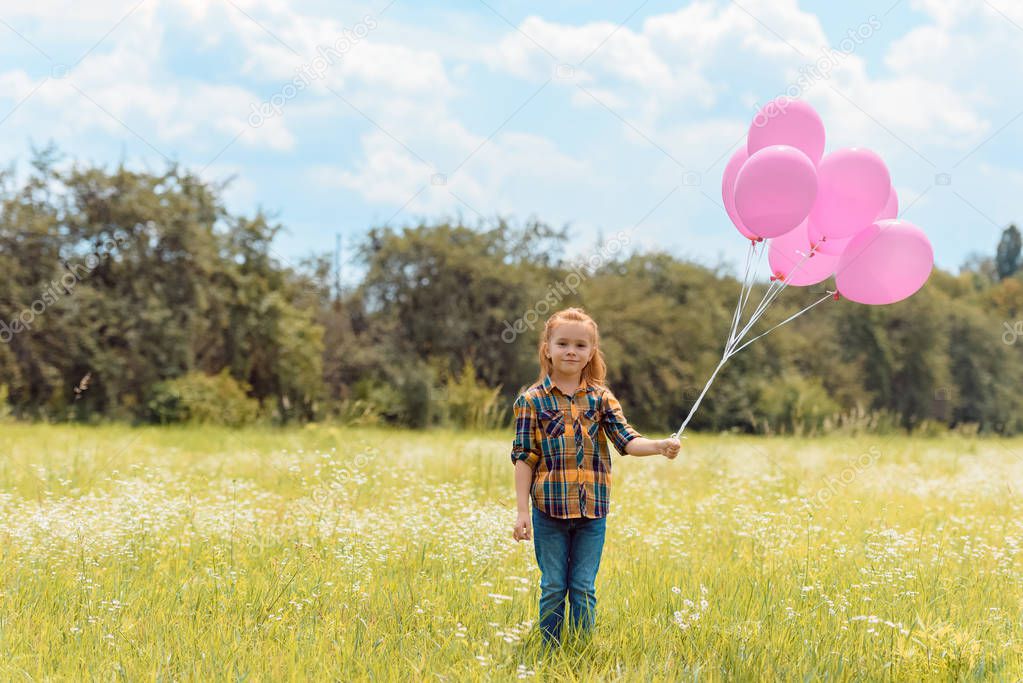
x,y
670,447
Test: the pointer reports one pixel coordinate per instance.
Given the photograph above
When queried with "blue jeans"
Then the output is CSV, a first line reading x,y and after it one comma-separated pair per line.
x,y
568,552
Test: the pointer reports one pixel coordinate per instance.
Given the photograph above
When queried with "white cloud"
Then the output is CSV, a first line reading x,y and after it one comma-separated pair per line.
x,y
665,76
512,173
387,174
969,59
686,78
102,14
124,86
945,12
242,192
663,79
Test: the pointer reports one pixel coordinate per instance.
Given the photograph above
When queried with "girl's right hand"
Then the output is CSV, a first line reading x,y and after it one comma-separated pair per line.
x,y
523,527
670,447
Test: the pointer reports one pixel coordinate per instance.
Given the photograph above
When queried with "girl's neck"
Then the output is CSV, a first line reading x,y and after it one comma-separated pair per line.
x,y
567,383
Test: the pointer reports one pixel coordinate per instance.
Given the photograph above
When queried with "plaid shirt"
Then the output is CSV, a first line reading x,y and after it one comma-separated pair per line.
x,y
563,439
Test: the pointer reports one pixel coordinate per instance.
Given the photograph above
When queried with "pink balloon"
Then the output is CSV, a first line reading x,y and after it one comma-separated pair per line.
x,y
885,263
891,207
728,190
824,245
775,190
787,121
837,246
790,260
853,187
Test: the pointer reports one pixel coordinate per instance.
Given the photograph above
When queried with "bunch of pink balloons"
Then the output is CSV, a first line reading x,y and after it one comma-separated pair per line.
x,y
825,214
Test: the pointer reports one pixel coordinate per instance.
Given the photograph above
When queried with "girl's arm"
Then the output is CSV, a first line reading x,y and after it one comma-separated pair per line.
x,y
626,439
525,456
644,446
523,482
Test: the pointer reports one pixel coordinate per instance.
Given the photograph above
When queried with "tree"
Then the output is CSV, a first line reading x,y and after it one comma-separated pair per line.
x,y
1007,257
133,278
451,292
115,282
982,370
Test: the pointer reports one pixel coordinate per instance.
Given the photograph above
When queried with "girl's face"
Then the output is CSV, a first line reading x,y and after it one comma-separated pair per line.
x,y
570,347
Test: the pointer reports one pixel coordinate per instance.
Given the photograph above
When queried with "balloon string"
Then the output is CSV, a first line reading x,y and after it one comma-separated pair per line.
x,y
751,284
744,289
776,286
829,295
696,405
729,353
734,338
744,292
770,296
765,301
746,286
749,289
747,281
735,311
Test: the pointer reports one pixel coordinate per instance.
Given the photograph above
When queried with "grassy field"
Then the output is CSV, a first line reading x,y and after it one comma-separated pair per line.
x,y
328,553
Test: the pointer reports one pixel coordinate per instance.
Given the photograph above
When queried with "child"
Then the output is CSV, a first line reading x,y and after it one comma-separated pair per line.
x,y
563,462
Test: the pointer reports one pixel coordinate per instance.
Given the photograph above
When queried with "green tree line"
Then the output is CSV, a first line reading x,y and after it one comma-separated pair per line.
x,y
128,295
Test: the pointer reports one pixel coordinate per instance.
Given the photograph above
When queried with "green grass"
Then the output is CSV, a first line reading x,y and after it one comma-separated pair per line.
x,y
371,554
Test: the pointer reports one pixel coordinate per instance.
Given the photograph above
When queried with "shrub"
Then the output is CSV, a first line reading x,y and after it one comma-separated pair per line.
x,y
421,394
357,412
205,399
402,397
795,405
468,403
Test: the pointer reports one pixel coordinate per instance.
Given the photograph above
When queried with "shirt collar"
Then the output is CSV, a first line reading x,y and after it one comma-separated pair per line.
x,y
548,385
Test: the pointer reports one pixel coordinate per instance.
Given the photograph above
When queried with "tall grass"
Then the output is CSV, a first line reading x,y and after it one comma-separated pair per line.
x,y
370,554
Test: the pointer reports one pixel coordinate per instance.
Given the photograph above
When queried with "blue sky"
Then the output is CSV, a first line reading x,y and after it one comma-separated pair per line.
x,y
603,116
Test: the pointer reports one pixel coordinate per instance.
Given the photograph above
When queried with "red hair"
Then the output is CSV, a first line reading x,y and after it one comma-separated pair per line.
x,y
595,371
